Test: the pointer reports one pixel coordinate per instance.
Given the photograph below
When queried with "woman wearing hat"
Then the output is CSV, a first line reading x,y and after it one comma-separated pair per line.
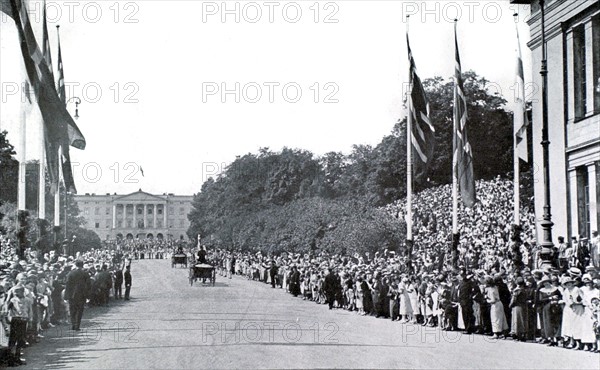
x,y
551,311
518,304
588,336
572,313
498,319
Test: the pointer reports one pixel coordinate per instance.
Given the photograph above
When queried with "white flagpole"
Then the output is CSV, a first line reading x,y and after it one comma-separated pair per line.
x,y
42,173
21,158
409,163
57,193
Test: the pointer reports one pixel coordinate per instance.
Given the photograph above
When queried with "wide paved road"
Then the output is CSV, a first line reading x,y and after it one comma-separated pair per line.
x,y
243,324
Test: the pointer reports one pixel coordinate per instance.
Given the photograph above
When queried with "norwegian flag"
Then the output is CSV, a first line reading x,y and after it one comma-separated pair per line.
x,y
462,163
422,135
520,117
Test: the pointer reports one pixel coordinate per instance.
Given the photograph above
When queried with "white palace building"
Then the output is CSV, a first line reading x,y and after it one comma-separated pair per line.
x,y
573,49
136,215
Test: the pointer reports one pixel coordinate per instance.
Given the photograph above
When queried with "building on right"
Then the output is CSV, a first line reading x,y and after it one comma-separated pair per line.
x,y
572,33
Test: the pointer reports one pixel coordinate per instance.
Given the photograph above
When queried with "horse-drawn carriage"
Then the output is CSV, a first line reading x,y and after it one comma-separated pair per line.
x,y
202,271
180,259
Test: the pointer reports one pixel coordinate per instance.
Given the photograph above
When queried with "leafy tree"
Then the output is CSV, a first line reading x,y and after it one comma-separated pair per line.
x,y
9,170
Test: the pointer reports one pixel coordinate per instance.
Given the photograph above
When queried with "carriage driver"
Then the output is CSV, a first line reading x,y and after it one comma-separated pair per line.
x,y
202,255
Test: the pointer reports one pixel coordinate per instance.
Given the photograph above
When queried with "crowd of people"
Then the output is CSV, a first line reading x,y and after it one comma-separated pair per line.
x,y
42,291
485,290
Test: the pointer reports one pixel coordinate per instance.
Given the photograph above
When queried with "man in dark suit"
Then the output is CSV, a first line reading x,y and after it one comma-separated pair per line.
x,y
127,276
273,272
76,292
330,287
118,283
466,292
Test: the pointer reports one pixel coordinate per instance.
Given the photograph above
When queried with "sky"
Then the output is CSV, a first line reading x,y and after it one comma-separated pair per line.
x,y
180,88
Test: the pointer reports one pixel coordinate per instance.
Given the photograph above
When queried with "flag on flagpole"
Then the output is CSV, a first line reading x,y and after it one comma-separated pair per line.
x,y
520,117
54,113
422,131
463,155
73,134
46,44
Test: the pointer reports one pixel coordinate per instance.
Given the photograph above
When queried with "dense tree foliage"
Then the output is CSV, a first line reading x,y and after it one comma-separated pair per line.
x,y
9,169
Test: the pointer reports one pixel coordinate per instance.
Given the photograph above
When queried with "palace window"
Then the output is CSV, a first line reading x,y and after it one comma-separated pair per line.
x,y
107,210
596,59
583,201
97,225
140,211
159,211
579,71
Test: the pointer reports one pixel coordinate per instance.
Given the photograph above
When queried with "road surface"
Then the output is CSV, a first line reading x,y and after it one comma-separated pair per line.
x,y
244,324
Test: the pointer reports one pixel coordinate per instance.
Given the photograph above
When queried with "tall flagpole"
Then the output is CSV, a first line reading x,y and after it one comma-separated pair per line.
x,y
409,163
21,204
21,158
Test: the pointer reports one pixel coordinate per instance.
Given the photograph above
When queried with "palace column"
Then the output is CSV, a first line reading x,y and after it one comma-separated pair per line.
x,y
165,217
145,214
134,217
154,210
114,216
591,170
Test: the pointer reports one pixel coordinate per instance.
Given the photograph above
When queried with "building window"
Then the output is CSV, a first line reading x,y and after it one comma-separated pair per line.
x,y
171,210
181,210
140,211
596,59
583,201
107,210
86,211
150,210
120,224
129,223
97,225
159,211
579,71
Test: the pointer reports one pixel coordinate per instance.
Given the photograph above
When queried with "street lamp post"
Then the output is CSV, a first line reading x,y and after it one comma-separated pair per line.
x,y
546,223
